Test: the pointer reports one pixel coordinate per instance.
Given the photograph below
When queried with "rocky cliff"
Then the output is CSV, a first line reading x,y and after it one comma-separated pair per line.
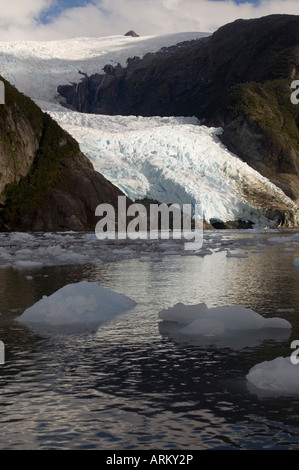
x,y
239,78
46,183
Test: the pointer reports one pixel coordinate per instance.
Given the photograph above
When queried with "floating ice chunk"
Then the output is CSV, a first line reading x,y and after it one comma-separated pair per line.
x,y
229,254
291,239
21,236
237,317
28,264
84,302
280,310
183,314
203,252
296,262
279,376
232,318
199,320
205,327
5,255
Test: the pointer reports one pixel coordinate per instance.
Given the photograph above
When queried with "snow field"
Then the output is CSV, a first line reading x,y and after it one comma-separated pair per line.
x,y
37,68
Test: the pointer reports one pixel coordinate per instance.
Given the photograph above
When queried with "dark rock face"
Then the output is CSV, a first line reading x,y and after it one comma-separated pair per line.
x,y
71,206
19,141
47,183
132,33
239,78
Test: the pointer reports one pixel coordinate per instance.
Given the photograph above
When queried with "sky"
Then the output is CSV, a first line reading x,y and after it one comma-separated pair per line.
x,y
53,19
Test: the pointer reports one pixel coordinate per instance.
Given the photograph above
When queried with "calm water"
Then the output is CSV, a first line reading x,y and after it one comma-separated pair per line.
x,y
130,383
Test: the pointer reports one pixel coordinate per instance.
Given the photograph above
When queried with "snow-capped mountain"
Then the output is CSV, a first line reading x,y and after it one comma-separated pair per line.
x,y
38,68
167,159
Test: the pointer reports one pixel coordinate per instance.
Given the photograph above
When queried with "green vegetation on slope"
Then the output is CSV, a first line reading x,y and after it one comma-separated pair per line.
x,y
55,145
268,104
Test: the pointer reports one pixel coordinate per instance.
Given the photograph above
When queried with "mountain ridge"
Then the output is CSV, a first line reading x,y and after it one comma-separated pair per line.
x,y
163,82
47,184
224,79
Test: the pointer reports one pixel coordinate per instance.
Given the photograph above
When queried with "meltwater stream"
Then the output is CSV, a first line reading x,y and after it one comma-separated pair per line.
x,y
130,383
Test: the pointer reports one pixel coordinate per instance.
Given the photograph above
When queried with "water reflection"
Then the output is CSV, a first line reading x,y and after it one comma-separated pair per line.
x,y
232,340
132,382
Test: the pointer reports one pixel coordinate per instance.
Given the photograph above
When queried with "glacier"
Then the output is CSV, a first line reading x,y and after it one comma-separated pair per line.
x,y
172,160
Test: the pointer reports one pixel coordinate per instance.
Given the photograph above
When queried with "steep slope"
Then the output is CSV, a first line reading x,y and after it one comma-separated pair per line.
x,y
47,184
202,76
175,159
36,68
239,78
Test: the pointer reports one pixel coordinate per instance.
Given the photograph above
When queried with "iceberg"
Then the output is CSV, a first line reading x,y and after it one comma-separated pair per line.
x,y
199,319
81,303
279,376
232,327
183,314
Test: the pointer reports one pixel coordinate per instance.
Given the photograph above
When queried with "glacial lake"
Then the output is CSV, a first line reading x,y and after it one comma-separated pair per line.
x,y
132,382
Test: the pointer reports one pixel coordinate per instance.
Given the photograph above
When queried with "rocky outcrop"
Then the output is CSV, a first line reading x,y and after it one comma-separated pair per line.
x,y
132,33
19,139
47,183
239,78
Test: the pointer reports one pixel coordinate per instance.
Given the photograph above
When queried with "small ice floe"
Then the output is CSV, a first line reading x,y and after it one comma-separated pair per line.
x,y
296,263
81,303
183,314
28,264
282,310
230,254
235,317
228,326
279,376
289,239
204,252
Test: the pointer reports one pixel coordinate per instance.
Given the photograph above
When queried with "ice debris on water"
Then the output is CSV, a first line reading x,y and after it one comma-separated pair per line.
x,y
25,251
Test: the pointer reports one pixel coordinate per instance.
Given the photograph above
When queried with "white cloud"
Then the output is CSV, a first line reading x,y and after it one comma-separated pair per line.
x,y
19,18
